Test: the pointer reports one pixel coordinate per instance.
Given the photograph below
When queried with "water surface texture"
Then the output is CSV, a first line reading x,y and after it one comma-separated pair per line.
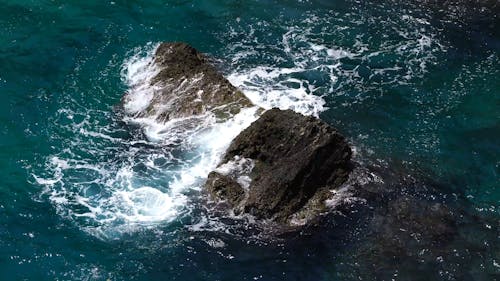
x,y
90,193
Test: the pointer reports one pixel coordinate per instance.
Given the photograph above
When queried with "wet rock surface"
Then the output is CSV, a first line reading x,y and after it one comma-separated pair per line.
x,y
296,161
188,85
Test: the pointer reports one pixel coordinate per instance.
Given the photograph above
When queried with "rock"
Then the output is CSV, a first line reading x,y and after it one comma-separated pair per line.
x,y
187,85
226,188
282,163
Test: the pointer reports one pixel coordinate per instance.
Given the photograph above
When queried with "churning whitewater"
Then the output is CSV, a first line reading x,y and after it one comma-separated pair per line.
x,y
167,162
139,172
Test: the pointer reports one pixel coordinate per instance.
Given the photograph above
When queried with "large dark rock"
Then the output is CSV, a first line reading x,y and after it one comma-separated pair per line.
x,y
282,167
187,85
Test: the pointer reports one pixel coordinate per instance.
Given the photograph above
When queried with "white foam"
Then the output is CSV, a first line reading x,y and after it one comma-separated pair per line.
x,y
146,204
212,144
137,72
289,87
270,87
238,168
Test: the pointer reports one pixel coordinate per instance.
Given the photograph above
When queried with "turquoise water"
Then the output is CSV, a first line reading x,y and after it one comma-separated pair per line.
x,y
87,195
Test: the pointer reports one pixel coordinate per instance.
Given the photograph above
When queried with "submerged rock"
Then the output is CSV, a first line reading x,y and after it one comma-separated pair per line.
x,y
403,220
283,165
187,85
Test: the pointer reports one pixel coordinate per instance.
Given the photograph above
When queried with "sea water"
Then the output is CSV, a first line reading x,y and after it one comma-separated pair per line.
x,y
91,192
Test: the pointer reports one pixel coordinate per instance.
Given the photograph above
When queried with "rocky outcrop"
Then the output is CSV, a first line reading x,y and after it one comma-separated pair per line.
x,y
187,85
283,165
289,168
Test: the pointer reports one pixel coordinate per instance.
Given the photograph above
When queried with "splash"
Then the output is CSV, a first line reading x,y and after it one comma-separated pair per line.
x,y
112,185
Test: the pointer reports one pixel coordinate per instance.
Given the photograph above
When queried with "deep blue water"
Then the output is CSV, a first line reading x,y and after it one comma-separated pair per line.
x,y
413,85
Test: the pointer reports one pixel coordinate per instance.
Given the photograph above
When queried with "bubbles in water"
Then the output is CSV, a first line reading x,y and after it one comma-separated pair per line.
x,y
270,87
110,185
329,54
